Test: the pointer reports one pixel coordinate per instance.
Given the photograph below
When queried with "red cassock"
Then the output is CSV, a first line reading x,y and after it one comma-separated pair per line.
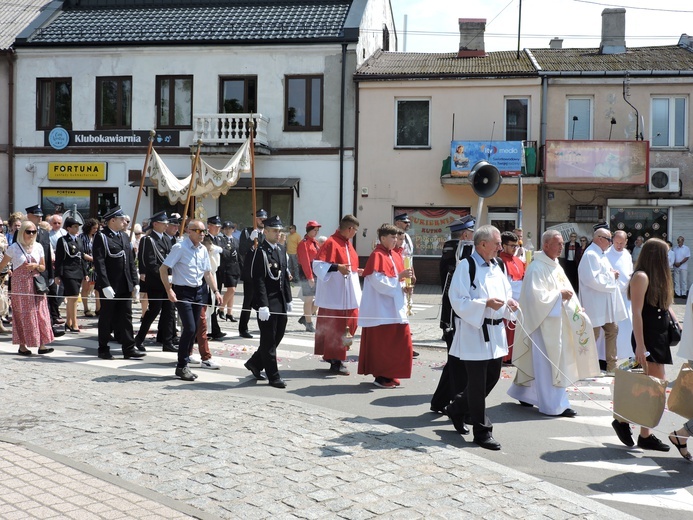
x,y
332,323
386,348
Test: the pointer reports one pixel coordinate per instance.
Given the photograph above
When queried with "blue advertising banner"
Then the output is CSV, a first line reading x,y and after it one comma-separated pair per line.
x,y
507,156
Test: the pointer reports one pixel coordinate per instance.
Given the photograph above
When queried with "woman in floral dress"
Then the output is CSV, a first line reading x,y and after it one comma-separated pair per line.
x,y
31,323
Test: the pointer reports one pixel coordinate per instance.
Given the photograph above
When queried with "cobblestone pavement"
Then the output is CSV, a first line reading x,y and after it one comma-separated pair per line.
x,y
115,444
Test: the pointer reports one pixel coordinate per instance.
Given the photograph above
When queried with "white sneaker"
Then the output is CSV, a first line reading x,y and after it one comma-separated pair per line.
x,y
208,363
194,360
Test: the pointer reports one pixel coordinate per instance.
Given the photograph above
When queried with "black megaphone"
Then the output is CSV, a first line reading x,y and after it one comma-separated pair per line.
x,y
485,179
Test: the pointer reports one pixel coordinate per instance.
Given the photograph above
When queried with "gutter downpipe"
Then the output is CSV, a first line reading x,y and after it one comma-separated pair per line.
x,y
542,135
11,57
342,110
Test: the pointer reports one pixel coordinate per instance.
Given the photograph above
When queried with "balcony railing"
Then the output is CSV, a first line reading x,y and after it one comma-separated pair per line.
x,y
229,129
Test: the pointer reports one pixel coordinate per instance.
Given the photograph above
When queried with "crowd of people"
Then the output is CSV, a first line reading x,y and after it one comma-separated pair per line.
x,y
570,313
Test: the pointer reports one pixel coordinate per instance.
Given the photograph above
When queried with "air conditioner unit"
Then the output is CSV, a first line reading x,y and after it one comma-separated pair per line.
x,y
664,180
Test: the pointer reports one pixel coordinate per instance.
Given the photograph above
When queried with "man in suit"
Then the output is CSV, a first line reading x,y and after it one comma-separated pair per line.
x,y
213,228
272,299
153,249
116,277
34,214
246,245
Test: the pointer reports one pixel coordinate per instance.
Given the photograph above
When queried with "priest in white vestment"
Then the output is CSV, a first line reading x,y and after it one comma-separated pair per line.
x,y
621,261
554,343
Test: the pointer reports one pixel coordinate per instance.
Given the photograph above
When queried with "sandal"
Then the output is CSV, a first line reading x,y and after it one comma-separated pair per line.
x,y
674,439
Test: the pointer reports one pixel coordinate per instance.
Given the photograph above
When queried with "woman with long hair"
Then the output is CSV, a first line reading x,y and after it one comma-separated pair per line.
x,y
89,229
31,326
651,294
70,269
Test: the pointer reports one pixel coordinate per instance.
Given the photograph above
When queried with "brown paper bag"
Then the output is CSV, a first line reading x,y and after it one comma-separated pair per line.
x,y
681,396
639,398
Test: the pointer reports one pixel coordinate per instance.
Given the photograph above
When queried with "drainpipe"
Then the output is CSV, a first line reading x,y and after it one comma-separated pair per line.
x,y
542,141
342,110
11,57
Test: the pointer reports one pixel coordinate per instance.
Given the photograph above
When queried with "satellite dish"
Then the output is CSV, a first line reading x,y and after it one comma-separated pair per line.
x,y
74,214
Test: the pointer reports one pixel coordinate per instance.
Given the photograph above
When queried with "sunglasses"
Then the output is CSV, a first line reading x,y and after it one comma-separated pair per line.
x,y
30,232
198,231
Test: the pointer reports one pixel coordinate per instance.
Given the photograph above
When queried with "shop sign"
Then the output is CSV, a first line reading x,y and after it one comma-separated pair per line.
x,y
101,138
507,156
77,171
64,198
429,227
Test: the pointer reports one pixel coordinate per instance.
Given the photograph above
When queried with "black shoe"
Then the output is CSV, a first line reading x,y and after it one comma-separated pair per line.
x,y
186,374
302,320
169,348
414,353
245,334
652,443
26,352
488,443
568,412
524,403
57,332
438,409
221,315
105,355
256,373
457,422
70,329
278,383
622,429
175,340
46,350
133,353
140,347
229,317
219,336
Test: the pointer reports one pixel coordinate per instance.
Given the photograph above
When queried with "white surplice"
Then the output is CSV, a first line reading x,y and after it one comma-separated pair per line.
x,y
622,262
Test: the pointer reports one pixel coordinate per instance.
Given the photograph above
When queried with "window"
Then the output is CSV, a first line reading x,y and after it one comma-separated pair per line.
x,y
113,102
303,103
669,122
54,103
413,116
579,121
238,95
517,119
174,101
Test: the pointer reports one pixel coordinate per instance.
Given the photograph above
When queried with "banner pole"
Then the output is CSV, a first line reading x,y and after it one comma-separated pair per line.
x,y
190,188
152,135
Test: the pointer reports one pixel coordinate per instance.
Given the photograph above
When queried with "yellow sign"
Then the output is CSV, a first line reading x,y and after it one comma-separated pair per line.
x,y
66,193
77,171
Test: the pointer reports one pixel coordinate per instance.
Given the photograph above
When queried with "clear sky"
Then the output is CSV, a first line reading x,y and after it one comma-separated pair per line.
x,y
432,25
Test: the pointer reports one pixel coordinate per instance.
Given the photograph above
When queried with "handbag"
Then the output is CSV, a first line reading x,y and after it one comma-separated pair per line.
x,y
40,285
639,398
681,396
674,332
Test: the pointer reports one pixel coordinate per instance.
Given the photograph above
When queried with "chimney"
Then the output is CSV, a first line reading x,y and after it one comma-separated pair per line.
x,y
613,31
472,37
556,43
686,42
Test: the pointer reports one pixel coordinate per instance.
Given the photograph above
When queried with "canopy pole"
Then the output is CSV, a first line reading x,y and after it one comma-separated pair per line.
x,y
251,126
152,135
190,189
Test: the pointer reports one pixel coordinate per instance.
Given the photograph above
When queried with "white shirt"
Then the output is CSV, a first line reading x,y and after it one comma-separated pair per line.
x,y
680,254
600,294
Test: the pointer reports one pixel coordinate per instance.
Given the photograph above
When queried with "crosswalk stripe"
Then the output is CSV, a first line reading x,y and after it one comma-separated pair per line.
x,y
677,498
633,465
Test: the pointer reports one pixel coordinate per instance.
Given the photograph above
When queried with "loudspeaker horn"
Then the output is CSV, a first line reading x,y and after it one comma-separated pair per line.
x,y
485,179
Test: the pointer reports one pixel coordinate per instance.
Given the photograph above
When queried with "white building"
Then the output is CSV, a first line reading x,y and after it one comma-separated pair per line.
x,y
94,77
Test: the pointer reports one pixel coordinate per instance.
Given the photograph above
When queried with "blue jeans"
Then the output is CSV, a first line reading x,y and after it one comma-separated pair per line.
x,y
189,307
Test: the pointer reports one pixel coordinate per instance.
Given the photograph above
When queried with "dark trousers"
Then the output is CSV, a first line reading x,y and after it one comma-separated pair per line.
x,y
116,315
54,301
189,306
271,334
247,303
453,378
158,303
482,377
215,321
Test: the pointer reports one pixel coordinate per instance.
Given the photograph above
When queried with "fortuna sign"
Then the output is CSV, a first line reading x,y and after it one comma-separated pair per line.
x,y
77,171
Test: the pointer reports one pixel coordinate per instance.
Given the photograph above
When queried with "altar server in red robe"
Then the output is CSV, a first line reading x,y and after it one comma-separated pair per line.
x,y
337,294
386,347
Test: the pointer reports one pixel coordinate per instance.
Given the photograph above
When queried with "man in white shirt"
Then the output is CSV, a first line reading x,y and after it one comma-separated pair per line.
x,y
621,261
681,255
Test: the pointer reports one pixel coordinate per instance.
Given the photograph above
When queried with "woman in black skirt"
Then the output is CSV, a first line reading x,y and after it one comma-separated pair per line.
x,y
71,269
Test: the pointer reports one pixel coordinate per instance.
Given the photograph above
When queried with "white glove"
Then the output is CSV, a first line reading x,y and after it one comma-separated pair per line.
x,y
108,292
254,234
263,313
289,307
